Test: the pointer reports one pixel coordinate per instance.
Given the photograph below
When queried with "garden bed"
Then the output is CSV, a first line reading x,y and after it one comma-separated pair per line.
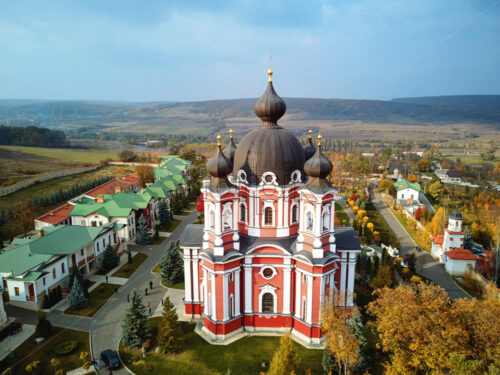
x,y
128,269
242,357
97,298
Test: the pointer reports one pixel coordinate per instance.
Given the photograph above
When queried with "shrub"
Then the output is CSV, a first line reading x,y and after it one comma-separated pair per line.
x,y
43,327
65,347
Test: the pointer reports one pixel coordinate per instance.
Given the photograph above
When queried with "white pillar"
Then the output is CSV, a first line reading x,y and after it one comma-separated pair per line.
x,y
237,292
322,293
298,282
213,309
218,218
343,262
280,211
206,302
332,285
287,281
187,276
196,278
309,299
225,291
251,211
248,288
350,278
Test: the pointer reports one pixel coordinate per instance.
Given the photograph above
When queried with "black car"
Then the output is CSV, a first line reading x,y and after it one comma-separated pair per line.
x,y
110,359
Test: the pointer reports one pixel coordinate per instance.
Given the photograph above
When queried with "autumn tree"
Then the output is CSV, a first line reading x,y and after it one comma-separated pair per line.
x,y
23,214
169,331
285,359
145,174
436,189
412,177
436,225
342,337
417,328
383,278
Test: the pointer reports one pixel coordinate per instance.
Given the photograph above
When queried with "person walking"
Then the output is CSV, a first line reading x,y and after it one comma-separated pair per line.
x,y
151,285
106,279
162,301
128,297
116,290
146,291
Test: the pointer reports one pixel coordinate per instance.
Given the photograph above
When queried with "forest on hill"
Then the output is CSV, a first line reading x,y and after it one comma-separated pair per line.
x,y
31,136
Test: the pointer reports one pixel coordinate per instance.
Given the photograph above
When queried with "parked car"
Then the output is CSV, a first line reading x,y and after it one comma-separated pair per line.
x,y
110,359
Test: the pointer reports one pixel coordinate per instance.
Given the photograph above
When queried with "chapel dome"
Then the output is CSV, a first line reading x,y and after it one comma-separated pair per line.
x,y
269,148
309,150
219,166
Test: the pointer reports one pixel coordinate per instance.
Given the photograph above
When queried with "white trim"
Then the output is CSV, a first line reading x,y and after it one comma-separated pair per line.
x,y
268,289
248,288
287,280
309,299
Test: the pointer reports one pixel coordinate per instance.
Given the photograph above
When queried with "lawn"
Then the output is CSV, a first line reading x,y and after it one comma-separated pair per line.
x,y
414,233
386,235
128,269
173,225
341,215
67,154
199,357
174,286
97,298
29,352
159,241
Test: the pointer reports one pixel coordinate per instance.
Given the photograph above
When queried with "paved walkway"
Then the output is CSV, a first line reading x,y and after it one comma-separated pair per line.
x,y
426,264
10,343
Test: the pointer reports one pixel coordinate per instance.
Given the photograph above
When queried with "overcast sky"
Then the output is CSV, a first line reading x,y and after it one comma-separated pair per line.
x,y
196,50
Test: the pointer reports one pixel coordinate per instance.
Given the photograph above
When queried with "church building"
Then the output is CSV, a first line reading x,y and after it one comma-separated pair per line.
x,y
268,254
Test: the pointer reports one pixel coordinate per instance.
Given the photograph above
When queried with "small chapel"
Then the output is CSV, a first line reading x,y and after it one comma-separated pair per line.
x,y
268,253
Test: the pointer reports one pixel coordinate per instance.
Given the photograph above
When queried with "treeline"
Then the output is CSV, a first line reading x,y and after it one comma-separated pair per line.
x,y
32,136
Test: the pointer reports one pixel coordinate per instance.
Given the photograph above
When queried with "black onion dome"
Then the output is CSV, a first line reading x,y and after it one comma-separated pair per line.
x,y
269,148
219,165
318,166
309,150
230,150
456,215
270,107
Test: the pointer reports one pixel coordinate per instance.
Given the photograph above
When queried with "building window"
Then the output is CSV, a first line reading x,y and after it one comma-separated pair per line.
x,y
54,273
43,280
295,211
16,291
62,268
268,178
326,220
402,196
211,219
231,306
304,279
97,243
304,306
268,216
309,221
227,219
81,252
83,222
243,213
267,303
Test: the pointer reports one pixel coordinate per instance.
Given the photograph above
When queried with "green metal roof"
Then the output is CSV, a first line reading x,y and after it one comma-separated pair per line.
x,y
403,184
115,205
30,276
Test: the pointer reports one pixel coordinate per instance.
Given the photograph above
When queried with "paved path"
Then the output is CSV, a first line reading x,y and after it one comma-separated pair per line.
x,y
10,343
427,265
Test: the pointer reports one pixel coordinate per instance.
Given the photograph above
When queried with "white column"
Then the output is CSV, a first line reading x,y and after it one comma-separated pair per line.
x,y
237,292
280,211
187,276
343,262
322,293
298,282
317,221
287,281
350,278
332,285
206,302
251,211
225,291
286,211
213,309
196,279
218,218
309,299
248,288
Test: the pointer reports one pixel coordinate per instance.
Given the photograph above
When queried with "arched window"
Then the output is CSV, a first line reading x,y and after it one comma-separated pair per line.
x,y
309,221
295,211
211,219
326,220
304,306
231,306
62,268
53,273
268,216
267,303
228,217
243,213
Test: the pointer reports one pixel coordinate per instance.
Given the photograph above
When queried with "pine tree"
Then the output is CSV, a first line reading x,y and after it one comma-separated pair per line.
x,y
110,258
76,274
171,265
169,330
77,299
143,236
468,239
164,215
135,327
285,359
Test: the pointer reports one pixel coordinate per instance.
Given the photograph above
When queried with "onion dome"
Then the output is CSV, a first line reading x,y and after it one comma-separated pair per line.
x,y
269,148
270,107
219,167
456,215
318,167
309,150
230,150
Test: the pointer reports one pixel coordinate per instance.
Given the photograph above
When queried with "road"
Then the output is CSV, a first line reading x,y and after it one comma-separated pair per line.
x,y
428,266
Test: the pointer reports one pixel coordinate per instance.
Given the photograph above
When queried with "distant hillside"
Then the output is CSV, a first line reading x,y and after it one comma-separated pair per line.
x,y
203,116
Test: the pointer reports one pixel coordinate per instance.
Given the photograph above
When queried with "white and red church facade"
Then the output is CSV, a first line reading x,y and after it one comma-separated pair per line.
x,y
268,254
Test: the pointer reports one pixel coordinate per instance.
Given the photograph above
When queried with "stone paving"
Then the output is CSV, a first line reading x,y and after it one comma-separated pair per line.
x,y
10,343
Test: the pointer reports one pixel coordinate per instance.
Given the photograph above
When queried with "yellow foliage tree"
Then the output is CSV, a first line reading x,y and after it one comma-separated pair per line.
x,y
285,359
383,277
436,226
412,178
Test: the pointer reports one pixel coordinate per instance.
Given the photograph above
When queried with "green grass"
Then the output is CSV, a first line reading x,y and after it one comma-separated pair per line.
x,y
68,154
29,352
173,225
173,286
242,357
386,235
412,232
159,241
341,215
97,298
128,269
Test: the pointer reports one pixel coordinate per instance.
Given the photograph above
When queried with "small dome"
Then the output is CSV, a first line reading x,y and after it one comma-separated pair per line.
x,y
219,166
270,107
318,166
230,150
456,215
309,150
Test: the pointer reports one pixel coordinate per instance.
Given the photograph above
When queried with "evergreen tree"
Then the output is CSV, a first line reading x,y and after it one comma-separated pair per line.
x,y
171,265
76,274
176,204
77,299
285,359
467,239
169,330
143,236
43,326
110,258
135,327
329,363
164,215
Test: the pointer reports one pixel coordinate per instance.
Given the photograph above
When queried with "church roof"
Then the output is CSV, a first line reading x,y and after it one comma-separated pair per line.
x,y
404,184
460,254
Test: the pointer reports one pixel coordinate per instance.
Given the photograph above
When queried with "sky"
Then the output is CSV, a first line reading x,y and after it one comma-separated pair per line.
x,y
199,50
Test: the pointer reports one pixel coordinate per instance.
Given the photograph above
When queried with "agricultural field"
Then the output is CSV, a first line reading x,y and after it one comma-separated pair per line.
x,y
20,163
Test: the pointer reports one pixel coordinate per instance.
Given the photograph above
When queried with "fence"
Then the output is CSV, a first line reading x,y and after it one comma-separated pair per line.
x,y
6,190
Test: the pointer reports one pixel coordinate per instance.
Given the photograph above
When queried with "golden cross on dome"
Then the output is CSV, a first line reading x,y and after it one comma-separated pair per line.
x,y
319,139
218,139
231,133
310,134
